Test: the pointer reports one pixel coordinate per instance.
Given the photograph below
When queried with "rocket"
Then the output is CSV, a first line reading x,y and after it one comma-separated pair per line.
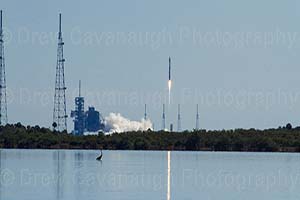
x,y
169,68
170,81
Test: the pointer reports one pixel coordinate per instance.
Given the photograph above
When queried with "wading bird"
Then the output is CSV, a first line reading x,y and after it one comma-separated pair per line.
x,y
100,157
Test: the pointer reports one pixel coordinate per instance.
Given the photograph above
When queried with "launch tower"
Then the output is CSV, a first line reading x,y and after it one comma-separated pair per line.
x,y
78,114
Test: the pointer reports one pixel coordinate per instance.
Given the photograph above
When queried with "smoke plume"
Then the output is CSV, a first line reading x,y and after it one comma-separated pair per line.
x,y
116,123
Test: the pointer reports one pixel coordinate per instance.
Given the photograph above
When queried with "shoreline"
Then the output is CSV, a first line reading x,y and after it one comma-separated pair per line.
x,y
149,150
239,140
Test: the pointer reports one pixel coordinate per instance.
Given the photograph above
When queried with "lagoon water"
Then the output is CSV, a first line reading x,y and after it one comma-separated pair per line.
x,y
130,175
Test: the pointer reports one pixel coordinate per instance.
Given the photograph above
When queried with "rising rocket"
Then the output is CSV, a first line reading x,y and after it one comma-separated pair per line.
x,y
170,81
169,68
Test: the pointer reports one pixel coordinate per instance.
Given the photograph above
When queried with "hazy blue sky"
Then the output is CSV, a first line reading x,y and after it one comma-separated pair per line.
x,y
238,59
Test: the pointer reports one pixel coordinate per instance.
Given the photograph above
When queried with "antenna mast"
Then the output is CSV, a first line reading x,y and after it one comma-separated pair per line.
x,y
164,118
145,114
179,120
197,118
79,88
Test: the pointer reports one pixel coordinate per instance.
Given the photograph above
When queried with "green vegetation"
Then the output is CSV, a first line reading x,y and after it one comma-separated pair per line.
x,y
285,139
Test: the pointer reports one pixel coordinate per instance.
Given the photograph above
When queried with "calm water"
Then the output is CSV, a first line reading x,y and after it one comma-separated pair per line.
x,y
129,175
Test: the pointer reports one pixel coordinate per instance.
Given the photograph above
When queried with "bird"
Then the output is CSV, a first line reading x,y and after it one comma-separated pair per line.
x,y
100,157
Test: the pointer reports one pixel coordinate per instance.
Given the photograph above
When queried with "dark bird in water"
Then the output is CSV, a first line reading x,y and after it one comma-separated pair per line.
x,y
100,157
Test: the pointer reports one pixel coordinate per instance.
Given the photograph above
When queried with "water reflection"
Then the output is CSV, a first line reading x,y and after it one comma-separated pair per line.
x,y
59,174
0,173
127,175
169,175
78,178
78,159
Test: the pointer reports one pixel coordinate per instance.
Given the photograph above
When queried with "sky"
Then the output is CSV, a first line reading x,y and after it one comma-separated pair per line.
x,y
237,59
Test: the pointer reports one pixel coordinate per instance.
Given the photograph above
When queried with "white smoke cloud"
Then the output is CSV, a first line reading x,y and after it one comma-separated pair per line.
x,y
115,122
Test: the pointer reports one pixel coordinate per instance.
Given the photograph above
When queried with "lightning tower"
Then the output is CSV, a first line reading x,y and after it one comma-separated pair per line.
x,y
197,118
163,119
60,111
3,101
179,120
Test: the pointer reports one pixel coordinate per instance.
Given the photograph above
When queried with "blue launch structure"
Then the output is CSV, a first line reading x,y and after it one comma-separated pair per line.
x,y
93,120
89,121
78,114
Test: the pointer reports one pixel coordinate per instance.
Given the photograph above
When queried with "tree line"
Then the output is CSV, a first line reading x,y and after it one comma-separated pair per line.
x,y
282,139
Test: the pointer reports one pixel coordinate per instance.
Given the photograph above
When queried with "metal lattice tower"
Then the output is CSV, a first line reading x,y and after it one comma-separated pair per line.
x,y
3,101
197,118
59,112
163,126
178,120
